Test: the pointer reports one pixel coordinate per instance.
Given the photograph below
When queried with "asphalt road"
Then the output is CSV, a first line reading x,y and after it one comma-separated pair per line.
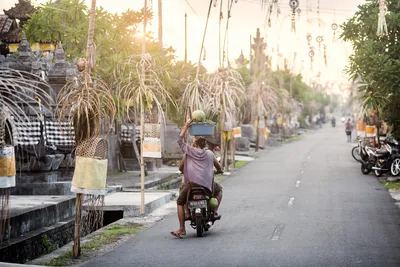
x,y
301,204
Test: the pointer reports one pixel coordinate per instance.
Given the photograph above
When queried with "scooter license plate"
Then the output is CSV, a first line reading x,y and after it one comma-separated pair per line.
x,y
198,204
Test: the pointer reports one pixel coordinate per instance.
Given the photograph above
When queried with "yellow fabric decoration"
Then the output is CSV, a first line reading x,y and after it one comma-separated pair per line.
x,y
89,176
227,135
7,166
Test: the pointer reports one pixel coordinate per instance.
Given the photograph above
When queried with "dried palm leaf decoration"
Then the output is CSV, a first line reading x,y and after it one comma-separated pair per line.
x,y
83,101
20,92
382,26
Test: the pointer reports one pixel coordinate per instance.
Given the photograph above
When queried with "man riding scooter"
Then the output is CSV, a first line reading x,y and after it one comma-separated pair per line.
x,y
333,121
201,142
198,171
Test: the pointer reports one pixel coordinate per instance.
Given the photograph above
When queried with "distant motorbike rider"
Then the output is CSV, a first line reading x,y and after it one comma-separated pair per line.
x,y
198,171
333,121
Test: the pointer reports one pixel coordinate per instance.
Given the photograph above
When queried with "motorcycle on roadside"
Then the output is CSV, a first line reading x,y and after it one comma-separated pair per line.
x,y
382,160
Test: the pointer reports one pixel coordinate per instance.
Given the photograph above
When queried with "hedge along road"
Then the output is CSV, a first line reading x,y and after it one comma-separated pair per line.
x,y
302,204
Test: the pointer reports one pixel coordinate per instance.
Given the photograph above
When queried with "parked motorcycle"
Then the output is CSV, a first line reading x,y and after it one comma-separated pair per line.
x,y
382,160
358,152
201,205
333,121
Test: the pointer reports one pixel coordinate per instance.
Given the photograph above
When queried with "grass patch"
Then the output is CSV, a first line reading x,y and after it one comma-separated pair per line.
x,y
110,235
61,260
218,177
391,185
240,163
292,139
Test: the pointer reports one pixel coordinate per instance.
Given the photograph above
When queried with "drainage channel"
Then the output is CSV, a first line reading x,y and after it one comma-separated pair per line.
x,y
42,241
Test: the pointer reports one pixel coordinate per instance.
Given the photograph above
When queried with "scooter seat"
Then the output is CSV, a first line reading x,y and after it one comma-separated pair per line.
x,y
382,152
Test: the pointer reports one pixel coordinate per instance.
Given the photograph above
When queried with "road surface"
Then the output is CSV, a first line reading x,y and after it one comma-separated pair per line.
x,y
301,204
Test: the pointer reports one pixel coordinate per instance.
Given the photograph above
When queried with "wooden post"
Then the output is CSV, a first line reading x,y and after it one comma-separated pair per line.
x,y
142,172
226,148
78,204
233,150
77,229
222,139
160,23
142,206
185,38
257,133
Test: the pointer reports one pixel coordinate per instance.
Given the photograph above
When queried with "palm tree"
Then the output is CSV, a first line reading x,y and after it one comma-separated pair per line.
x,y
225,95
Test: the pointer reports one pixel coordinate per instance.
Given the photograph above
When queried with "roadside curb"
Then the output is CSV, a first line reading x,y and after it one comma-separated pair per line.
x,y
155,182
134,210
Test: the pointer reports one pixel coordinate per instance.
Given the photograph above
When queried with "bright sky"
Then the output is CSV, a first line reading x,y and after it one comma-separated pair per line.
x,y
247,16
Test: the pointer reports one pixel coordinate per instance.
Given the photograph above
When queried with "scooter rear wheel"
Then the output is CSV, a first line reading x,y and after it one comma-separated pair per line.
x,y
364,169
355,152
378,173
199,226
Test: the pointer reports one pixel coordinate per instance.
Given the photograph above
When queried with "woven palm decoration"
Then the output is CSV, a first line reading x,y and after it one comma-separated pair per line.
x,y
294,4
382,26
152,140
90,180
7,176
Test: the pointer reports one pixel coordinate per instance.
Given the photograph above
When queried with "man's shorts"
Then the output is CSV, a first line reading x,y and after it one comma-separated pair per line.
x,y
184,189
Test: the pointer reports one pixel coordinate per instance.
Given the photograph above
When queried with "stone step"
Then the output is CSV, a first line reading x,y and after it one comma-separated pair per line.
x,y
153,182
129,202
29,213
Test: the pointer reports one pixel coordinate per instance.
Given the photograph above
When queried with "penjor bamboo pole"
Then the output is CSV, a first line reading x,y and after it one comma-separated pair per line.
x,y
77,228
142,174
78,205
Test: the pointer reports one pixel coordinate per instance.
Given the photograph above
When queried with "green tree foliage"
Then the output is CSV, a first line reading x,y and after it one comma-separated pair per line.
x,y
116,38
376,60
66,21
300,91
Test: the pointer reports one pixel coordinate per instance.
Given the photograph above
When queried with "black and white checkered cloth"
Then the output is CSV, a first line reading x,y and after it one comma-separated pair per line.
x,y
26,131
126,133
59,133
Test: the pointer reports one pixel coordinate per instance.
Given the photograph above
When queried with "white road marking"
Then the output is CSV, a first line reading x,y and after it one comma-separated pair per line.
x,y
277,232
298,184
291,201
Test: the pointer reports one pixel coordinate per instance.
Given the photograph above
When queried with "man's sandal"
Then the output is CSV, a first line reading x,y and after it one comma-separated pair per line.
x,y
178,235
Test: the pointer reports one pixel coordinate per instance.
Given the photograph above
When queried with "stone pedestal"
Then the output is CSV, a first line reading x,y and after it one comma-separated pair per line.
x,y
249,131
242,144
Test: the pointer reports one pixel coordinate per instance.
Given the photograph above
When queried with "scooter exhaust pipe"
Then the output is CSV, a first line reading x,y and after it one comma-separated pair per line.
x,y
208,225
379,169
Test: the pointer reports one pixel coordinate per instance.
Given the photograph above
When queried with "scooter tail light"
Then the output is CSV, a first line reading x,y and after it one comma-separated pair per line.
x,y
197,197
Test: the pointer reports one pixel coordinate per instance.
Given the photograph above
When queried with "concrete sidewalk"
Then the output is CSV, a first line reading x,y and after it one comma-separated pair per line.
x,y
129,202
131,179
5,264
